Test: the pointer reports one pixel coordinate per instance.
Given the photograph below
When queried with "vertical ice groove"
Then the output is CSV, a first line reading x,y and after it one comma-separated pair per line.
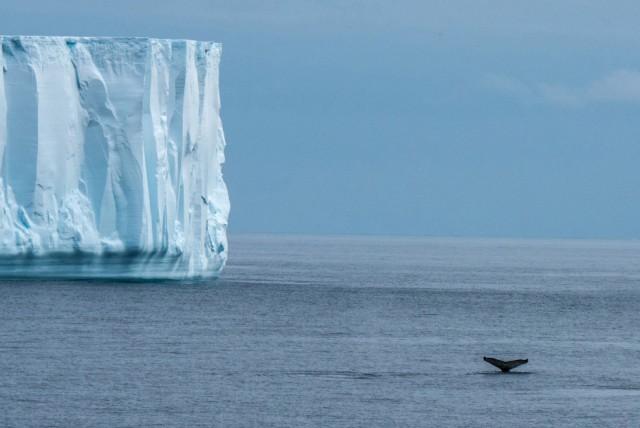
x,y
208,135
3,110
176,140
22,139
100,136
156,139
60,143
7,239
122,68
112,146
218,211
191,108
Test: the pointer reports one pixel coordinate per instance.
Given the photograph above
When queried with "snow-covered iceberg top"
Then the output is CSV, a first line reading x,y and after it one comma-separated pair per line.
x,y
110,158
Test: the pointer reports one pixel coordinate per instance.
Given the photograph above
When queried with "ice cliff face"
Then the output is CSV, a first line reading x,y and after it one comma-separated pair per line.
x,y
110,158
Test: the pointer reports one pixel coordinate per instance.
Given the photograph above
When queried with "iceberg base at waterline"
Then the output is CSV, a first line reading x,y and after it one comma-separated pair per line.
x,y
110,158
117,266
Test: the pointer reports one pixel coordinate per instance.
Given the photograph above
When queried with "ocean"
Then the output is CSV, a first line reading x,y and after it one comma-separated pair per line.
x,y
339,331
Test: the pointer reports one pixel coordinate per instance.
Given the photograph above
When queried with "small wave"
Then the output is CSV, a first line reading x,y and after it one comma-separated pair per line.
x,y
336,374
499,373
347,374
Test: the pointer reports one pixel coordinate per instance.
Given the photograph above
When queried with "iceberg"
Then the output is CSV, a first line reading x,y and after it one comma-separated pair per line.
x,y
110,158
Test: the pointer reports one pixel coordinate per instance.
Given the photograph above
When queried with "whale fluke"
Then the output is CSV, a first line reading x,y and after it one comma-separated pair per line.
x,y
505,366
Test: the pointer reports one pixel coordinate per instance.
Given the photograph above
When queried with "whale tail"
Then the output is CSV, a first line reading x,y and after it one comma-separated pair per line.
x,y
505,366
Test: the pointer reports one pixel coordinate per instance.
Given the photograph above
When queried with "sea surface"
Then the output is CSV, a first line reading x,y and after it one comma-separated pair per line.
x,y
336,331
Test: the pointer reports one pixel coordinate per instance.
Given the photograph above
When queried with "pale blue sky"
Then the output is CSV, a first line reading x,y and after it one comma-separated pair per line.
x,y
450,118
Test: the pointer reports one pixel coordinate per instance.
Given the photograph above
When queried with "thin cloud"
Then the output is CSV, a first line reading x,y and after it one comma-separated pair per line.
x,y
507,85
619,86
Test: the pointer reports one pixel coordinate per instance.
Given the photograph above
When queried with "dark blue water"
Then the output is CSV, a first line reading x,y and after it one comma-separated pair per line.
x,y
336,331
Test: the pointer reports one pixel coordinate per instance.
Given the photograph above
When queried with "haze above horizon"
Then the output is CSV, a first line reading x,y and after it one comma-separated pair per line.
x,y
441,118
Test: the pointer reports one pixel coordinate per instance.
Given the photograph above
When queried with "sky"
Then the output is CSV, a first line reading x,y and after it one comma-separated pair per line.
x,y
487,118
